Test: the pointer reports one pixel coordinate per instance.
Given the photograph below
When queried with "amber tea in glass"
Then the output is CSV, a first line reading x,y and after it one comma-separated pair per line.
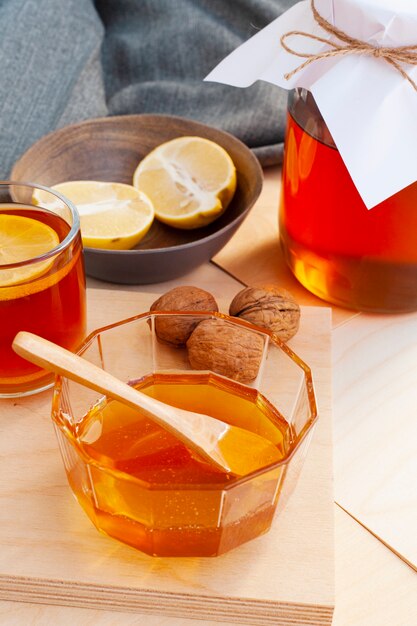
x,y
43,294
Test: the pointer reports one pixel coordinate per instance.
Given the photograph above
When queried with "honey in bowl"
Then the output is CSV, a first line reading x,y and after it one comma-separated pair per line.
x,y
139,484
151,492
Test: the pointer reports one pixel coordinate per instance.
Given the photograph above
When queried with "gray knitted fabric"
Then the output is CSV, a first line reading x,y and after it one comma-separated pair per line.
x,y
67,60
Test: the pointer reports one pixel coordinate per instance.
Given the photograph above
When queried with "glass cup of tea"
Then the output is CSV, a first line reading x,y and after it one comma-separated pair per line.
x,y
42,280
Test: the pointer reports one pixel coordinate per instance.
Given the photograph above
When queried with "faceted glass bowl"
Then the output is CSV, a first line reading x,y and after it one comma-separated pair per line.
x,y
187,518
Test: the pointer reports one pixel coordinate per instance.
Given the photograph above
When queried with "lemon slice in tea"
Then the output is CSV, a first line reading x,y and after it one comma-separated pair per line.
x,y
190,181
22,239
113,216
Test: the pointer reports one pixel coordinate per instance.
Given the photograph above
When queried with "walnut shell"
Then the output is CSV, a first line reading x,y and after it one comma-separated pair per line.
x,y
268,307
176,330
218,346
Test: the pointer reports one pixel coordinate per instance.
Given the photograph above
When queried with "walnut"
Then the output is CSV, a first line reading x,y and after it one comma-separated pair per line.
x,y
218,346
176,330
268,307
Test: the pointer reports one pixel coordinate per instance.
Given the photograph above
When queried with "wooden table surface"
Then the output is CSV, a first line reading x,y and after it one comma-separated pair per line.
x,y
376,583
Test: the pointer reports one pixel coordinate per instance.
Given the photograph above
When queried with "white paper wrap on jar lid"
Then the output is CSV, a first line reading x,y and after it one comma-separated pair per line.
x,y
368,106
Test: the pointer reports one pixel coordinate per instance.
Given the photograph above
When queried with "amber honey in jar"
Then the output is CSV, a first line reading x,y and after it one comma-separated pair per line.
x,y
340,250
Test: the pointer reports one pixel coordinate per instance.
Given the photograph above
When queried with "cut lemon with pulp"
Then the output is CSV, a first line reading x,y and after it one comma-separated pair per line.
x,y
113,216
24,239
190,181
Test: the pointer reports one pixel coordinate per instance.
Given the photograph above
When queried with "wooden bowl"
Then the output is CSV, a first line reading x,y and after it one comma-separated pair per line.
x,y
109,149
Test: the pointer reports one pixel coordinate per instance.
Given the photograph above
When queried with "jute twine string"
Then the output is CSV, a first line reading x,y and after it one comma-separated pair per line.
x,y
393,56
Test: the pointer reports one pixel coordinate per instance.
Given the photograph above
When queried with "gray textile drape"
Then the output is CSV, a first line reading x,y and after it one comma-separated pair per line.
x,y
67,60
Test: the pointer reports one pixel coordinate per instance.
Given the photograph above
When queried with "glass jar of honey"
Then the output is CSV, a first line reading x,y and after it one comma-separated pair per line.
x,y
359,258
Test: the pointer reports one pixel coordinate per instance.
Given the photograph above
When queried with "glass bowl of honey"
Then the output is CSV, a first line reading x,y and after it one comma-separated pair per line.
x,y
140,484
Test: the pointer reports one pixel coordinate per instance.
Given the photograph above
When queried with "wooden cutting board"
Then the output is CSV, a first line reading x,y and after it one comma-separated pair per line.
x,y
51,553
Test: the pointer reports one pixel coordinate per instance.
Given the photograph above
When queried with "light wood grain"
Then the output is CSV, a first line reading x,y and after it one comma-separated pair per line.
x,y
28,614
375,388
373,588
52,554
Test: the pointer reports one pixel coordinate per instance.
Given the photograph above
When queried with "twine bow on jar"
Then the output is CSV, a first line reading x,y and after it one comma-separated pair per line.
x,y
393,56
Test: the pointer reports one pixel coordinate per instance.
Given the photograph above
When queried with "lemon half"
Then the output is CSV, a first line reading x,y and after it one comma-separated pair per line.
x,y
21,239
190,181
113,216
